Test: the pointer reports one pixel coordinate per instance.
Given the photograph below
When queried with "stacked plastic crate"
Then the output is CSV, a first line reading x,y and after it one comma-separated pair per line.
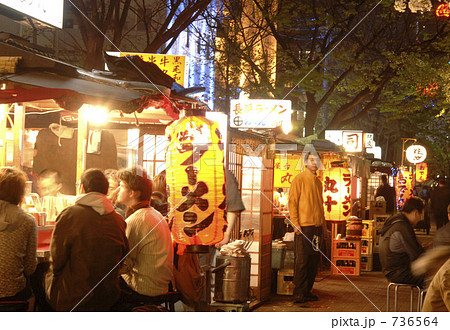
x,y
346,256
367,246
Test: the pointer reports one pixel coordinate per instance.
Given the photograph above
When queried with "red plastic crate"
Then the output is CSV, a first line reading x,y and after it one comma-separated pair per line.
x,y
345,248
348,266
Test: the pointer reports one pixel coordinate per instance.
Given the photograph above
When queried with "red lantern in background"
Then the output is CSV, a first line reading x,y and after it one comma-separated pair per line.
x,y
196,179
403,187
421,172
337,193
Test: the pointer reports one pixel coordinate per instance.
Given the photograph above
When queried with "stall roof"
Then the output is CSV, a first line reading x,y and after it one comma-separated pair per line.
x,y
32,74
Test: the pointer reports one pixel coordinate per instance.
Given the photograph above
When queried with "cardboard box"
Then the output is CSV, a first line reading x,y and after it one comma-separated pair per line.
x,y
285,282
345,248
368,228
379,220
376,207
348,266
367,263
366,246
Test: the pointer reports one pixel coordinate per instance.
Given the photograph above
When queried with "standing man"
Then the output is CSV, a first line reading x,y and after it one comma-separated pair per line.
x,y
308,219
440,198
149,265
388,193
88,244
398,243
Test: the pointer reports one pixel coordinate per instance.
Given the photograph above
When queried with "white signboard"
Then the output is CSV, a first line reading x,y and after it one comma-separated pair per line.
x,y
264,113
334,136
416,154
47,11
352,141
369,142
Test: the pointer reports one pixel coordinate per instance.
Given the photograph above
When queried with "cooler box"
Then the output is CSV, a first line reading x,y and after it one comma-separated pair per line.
x,y
278,255
285,282
342,248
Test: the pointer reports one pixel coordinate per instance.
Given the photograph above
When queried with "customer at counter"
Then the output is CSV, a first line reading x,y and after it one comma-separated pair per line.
x,y
18,238
398,243
87,246
149,266
308,219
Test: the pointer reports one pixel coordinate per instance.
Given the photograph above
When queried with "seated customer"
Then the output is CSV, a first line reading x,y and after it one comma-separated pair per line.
x,y
87,245
149,265
18,238
399,246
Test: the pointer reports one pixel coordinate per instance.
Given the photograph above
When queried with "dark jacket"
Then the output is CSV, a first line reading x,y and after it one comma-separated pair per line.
x,y
388,193
398,246
87,246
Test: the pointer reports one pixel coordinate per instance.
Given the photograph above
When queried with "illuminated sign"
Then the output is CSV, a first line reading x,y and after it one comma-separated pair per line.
x,y
47,11
337,193
421,172
403,187
368,140
268,113
416,154
285,170
334,136
443,10
172,65
352,141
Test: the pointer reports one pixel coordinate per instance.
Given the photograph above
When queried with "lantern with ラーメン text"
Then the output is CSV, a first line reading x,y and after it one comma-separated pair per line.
x,y
403,187
337,193
196,180
421,172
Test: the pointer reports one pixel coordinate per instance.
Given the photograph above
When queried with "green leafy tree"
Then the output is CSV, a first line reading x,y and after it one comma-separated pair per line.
x,y
334,59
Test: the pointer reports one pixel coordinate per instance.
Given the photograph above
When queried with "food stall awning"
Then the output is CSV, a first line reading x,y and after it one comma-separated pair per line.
x,y
29,74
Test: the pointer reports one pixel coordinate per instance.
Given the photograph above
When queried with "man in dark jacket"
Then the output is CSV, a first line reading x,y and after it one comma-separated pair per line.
x,y
87,245
398,243
388,193
440,199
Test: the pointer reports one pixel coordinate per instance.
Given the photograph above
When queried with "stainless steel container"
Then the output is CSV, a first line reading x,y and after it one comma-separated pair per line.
x,y
232,280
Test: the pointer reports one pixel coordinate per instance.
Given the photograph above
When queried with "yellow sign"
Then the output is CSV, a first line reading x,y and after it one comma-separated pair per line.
x,y
285,170
172,65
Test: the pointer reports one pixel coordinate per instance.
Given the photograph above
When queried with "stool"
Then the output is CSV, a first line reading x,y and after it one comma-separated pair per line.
x,y
169,299
14,306
412,287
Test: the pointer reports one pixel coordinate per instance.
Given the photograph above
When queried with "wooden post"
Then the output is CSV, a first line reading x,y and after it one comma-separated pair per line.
x,y
81,140
4,109
19,124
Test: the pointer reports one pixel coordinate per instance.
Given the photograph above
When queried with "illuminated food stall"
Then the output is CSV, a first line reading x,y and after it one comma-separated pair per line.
x,y
48,115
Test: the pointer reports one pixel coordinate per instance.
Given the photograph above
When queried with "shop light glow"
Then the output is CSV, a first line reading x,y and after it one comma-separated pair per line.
x,y
97,115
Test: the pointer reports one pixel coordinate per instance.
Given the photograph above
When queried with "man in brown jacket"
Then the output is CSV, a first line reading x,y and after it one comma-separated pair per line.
x,y
87,245
308,219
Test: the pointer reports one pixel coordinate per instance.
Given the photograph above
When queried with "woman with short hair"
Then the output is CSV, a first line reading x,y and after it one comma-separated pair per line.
x,y
18,237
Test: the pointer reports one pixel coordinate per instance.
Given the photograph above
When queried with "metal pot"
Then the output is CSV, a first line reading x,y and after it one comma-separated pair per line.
x,y
232,280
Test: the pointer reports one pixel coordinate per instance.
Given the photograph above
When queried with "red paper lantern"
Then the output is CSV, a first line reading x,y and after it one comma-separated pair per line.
x,y
337,193
196,180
